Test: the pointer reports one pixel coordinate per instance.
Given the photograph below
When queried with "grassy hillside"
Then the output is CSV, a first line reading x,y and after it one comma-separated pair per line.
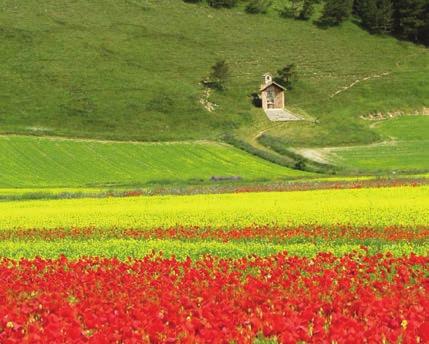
x,y
404,128
44,162
405,148
130,69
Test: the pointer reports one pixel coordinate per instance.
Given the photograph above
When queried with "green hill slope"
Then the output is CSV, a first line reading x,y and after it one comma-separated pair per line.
x,y
405,148
130,69
46,162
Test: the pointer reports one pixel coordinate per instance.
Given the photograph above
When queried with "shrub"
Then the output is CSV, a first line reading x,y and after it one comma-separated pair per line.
x,y
218,76
307,10
291,10
299,9
222,3
258,6
300,165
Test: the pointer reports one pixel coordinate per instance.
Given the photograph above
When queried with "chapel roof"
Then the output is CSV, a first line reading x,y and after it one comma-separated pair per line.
x,y
264,87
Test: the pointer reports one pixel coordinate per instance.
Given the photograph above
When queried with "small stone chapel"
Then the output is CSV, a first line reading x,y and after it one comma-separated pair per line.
x,y
272,94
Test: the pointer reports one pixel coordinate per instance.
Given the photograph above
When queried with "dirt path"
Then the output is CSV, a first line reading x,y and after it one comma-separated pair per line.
x,y
354,83
262,132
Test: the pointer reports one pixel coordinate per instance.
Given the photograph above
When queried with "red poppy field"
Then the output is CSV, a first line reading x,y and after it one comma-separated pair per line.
x,y
325,299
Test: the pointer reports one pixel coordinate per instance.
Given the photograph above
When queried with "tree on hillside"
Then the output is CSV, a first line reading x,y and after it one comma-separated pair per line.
x,y
412,20
376,15
358,6
219,75
287,76
408,19
335,12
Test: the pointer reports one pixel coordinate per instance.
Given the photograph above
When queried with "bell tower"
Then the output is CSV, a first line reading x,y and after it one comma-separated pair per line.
x,y
267,78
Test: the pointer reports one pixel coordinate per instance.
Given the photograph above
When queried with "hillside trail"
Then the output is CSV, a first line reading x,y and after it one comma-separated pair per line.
x,y
263,131
354,83
253,141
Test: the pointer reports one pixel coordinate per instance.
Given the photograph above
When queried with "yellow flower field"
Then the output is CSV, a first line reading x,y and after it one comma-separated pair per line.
x,y
407,206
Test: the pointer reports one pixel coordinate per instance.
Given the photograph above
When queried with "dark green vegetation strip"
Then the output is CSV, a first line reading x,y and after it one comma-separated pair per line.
x,y
211,188
299,162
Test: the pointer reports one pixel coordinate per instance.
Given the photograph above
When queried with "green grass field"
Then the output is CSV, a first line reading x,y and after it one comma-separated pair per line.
x,y
30,162
406,206
405,148
107,69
